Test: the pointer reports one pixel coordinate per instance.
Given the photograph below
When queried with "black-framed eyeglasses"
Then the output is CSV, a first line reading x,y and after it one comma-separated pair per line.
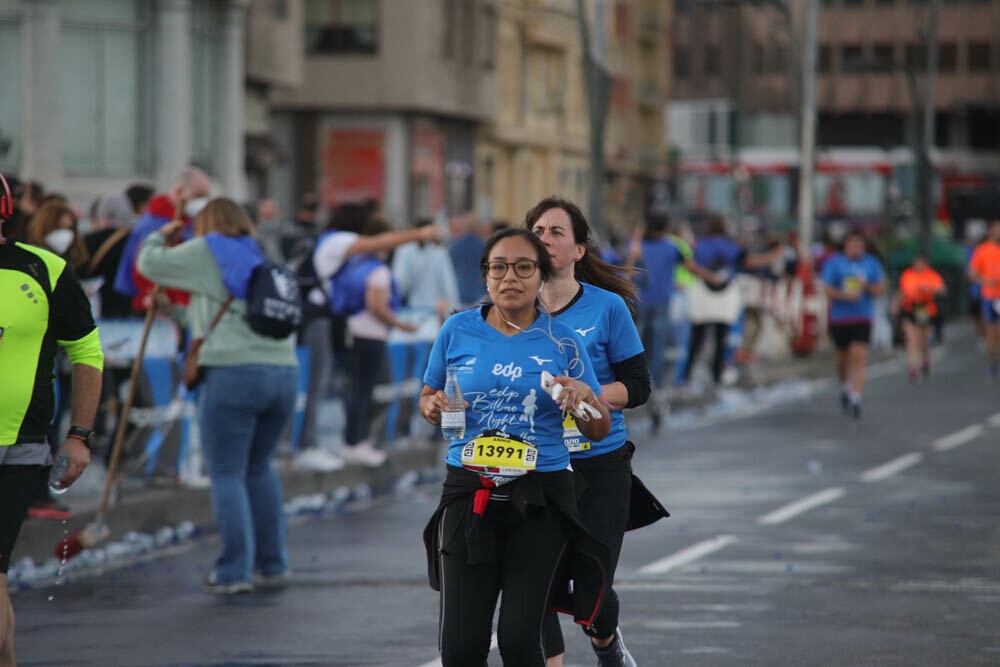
x,y
523,268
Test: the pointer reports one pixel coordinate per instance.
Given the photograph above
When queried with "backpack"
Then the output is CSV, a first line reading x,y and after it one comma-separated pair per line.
x,y
347,287
274,301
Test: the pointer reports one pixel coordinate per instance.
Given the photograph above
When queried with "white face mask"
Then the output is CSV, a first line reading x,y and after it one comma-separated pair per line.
x,y
193,207
59,240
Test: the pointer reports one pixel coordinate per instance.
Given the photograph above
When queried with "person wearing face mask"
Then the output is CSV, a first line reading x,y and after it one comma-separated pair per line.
x,y
593,298
508,515
53,227
186,199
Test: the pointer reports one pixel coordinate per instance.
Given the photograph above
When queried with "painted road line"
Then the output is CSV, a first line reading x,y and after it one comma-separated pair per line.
x,y
688,555
792,510
437,661
958,438
889,469
994,421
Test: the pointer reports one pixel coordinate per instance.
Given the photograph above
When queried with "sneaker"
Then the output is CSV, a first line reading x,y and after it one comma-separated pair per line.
x,y
614,654
272,581
913,375
363,453
318,459
212,585
925,369
845,402
855,410
49,509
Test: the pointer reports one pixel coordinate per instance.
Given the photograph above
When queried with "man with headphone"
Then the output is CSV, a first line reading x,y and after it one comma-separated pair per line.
x,y
41,306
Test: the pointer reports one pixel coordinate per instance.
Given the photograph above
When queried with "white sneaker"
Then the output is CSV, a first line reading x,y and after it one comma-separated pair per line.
x,y
364,454
318,459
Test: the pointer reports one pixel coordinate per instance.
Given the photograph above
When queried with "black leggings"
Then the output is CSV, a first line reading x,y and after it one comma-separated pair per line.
x,y
365,362
698,338
19,486
604,509
528,551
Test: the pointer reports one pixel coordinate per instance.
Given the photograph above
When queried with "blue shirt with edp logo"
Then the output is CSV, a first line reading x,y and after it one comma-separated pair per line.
x,y
500,378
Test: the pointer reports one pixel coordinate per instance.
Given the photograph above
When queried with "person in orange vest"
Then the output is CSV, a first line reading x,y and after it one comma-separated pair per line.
x,y
984,268
919,286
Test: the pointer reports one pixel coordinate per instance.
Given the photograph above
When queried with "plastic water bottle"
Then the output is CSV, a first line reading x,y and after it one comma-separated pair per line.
x,y
453,417
59,469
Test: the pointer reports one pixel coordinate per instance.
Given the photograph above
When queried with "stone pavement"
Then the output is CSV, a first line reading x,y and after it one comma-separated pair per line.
x,y
142,508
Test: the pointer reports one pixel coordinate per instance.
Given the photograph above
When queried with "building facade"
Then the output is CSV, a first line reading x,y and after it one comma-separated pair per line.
x,y
104,94
736,91
538,142
392,95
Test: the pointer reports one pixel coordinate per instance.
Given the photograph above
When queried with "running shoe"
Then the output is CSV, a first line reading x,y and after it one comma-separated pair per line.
x,y
855,410
845,402
212,585
364,454
913,375
614,654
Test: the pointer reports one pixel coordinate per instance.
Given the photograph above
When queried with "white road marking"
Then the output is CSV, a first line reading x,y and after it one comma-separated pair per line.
x,y
437,661
685,556
994,421
792,510
958,438
889,469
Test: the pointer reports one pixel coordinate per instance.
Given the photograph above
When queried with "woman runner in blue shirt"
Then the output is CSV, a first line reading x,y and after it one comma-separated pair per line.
x,y
590,296
508,508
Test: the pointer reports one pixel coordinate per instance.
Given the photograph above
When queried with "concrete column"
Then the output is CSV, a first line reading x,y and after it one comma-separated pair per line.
x,y
232,101
172,92
42,123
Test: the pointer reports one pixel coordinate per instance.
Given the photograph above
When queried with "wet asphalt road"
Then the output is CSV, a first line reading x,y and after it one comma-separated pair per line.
x,y
798,538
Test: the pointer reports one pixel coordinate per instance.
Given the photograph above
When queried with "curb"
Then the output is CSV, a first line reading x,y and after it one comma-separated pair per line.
x,y
146,510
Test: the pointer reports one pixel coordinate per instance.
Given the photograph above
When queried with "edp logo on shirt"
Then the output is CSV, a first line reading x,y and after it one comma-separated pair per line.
x,y
510,371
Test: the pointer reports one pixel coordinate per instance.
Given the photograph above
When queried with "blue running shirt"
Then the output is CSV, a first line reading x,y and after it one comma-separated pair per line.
x,y
840,272
602,319
500,377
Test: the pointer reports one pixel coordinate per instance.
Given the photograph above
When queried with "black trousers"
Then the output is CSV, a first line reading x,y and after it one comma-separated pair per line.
x,y
697,340
365,362
19,487
527,554
604,509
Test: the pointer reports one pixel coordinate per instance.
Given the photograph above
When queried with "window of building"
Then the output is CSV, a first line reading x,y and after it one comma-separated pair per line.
x,y
279,9
206,80
947,57
757,57
916,56
824,59
682,63
105,75
851,58
448,30
978,56
883,58
712,61
342,27
778,56
489,41
10,105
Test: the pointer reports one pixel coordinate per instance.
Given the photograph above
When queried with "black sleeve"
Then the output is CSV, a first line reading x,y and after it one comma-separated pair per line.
x,y
70,316
634,374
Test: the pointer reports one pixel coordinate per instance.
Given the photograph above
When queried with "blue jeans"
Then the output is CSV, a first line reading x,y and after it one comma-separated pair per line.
x,y
654,330
407,361
242,411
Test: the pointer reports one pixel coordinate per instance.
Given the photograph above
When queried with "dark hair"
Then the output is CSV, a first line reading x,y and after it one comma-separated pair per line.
x,y
715,225
349,218
139,195
590,268
309,202
657,223
544,259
